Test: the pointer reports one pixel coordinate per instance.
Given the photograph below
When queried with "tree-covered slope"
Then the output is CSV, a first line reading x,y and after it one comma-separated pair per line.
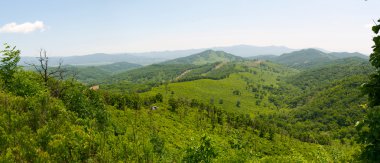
x,y
317,105
249,83
117,67
142,79
205,57
76,124
311,57
348,55
303,58
326,99
322,74
97,74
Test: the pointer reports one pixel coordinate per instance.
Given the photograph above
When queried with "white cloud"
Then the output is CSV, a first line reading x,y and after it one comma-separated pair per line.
x,y
26,27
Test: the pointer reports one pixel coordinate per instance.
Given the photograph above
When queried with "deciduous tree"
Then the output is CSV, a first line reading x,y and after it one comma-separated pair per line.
x,y
8,66
370,128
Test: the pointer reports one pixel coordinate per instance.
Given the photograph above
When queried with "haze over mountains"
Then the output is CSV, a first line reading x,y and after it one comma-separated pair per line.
x,y
147,58
280,54
199,65
310,57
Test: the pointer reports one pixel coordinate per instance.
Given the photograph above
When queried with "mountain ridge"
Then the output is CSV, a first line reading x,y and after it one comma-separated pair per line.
x,y
310,57
147,58
205,57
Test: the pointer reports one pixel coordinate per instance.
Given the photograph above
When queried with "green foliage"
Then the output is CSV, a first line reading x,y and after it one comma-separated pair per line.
x,y
323,110
173,104
369,135
26,83
159,97
308,58
205,152
238,103
9,59
369,128
158,144
322,75
99,74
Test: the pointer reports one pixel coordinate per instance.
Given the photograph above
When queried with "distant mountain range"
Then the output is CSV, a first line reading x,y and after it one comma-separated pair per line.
x,y
308,57
192,66
239,50
147,58
96,59
289,56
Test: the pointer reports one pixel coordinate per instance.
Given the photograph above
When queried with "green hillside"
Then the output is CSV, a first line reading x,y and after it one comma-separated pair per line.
x,y
304,58
250,83
85,125
117,67
322,74
205,57
97,74
311,57
348,55
313,99
144,78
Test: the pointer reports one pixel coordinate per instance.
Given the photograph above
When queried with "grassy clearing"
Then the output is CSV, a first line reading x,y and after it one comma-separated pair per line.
x,y
227,93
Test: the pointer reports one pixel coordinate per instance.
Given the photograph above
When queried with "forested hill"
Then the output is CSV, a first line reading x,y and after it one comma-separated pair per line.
x,y
95,74
205,57
310,57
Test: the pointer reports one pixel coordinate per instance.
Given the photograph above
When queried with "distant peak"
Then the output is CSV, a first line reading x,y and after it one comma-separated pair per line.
x,y
208,51
311,49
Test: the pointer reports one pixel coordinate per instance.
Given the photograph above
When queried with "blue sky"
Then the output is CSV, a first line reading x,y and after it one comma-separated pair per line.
x,y
77,27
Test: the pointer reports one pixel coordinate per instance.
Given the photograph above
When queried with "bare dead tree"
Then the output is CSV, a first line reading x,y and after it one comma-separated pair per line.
x,y
46,73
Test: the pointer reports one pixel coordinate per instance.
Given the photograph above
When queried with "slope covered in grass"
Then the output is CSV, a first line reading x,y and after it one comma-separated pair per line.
x,y
250,85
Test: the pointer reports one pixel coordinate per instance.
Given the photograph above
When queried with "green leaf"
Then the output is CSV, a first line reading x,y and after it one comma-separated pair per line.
x,y
376,29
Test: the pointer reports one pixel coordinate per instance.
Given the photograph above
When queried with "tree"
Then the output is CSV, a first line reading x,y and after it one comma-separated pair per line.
x,y
9,60
173,104
369,128
159,97
57,87
205,152
45,71
238,104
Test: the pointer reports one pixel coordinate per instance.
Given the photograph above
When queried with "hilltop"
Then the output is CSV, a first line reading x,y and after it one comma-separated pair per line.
x,y
310,57
205,57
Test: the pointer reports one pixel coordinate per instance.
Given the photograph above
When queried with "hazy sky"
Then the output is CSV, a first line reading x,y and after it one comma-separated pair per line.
x,y
76,27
